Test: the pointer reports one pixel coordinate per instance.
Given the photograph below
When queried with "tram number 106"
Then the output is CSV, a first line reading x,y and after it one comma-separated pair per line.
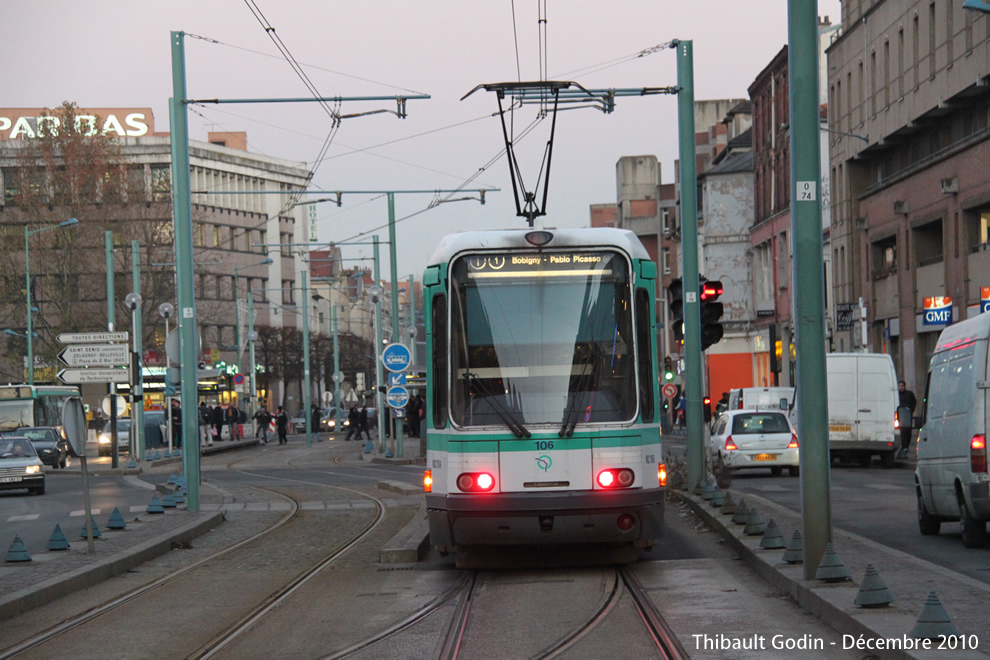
x,y
543,445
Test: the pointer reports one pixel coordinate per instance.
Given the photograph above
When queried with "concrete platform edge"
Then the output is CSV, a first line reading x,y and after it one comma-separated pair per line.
x,y
40,594
409,545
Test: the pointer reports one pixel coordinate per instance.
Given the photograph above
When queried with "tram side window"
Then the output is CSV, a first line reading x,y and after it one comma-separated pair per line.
x,y
440,351
645,353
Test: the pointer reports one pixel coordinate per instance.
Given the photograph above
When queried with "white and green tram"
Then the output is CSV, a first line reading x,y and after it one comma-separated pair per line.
x,y
542,421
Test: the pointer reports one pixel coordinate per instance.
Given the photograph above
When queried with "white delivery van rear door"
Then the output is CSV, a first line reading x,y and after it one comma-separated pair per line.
x,y
877,399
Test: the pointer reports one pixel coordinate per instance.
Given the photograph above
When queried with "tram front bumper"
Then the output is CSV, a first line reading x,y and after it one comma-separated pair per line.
x,y
629,516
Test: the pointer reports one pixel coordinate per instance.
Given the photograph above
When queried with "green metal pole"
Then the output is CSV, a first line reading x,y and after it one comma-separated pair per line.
x,y
237,318
182,209
809,285
27,294
336,368
111,303
137,394
254,369
307,388
396,337
412,319
377,354
689,263
111,323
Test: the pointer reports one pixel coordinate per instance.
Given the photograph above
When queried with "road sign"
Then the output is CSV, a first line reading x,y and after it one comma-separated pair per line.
x,y
95,355
238,379
670,390
396,357
396,379
108,401
91,337
172,346
397,396
79,376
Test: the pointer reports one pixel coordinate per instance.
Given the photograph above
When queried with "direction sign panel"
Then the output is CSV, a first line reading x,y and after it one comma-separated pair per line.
x,y
397,396
396,357
95,355
396,379
79,376
92,337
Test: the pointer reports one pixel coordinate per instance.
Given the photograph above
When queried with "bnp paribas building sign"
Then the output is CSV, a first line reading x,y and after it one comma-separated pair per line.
x,y
30,123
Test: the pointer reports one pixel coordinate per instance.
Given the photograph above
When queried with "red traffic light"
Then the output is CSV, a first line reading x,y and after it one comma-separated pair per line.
x,y
710,291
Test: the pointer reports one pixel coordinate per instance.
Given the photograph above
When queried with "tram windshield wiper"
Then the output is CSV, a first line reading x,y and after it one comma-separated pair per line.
x,y
504,414
571,411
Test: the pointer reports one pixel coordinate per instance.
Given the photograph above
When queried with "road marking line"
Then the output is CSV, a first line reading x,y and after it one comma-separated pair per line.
x,y
31,516
139,509
81,512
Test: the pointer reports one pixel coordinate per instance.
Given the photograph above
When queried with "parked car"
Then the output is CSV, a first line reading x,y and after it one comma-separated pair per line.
x,y
745,439
52,447
20,466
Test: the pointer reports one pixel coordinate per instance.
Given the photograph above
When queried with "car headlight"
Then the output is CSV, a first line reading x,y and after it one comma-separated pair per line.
x,y
104,439
33,469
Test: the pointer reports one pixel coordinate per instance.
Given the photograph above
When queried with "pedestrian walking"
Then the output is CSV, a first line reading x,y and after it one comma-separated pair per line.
x,y
282,425
218,417
905,414
176,413
233,419
264,419
315,417
353,424
205,423
363,423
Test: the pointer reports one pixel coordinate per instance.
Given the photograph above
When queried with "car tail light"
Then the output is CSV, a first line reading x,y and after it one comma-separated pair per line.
x,y
428,481
475,482
662,474
897,421
616,478
793,443
730,445
978,454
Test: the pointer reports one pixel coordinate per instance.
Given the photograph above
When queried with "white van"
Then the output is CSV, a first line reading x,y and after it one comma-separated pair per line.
x,y
761,398
951,479
862,405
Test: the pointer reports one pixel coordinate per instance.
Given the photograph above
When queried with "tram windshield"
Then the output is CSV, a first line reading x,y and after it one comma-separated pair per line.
x,y
542,338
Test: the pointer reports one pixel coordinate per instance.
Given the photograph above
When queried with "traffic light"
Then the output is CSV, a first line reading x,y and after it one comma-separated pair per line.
x,y
675,296
711,313
707,410
668,370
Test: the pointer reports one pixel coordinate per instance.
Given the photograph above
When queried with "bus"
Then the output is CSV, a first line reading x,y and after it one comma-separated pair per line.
x,y
32,405
542,418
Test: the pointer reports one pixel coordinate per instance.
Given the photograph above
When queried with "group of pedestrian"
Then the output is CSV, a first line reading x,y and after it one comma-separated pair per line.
x,y
264,420
415,413
357,422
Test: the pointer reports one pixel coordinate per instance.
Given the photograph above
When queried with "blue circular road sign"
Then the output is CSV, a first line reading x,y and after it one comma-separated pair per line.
x,y
396,357
397,396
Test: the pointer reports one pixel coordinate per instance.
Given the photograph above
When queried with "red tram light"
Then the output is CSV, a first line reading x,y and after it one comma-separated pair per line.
x,y
475,482
428,481
662,474
616,478
625,522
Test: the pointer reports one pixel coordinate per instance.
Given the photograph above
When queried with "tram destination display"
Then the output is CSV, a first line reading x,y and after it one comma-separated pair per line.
x,y
540,264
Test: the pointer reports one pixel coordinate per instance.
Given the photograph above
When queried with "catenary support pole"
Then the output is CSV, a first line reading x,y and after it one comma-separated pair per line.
x,y
137,393
396,337
307,392
182,209
111,322
377,353
809,286
694,416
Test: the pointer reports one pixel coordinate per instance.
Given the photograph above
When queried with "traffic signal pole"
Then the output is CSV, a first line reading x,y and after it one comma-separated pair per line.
x,y
689,262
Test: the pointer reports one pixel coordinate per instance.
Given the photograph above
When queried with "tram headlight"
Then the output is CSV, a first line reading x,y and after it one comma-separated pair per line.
x,y
662,474
475,482
428,481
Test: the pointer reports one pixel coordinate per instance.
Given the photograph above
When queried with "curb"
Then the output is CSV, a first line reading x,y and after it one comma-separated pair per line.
x,y
87,576
409,545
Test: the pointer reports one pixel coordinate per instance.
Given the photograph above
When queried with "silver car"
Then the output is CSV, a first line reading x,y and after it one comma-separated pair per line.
x,y
20,466
755,439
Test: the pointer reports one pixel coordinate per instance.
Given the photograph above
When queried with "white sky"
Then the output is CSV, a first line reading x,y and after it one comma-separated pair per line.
x,y
113,54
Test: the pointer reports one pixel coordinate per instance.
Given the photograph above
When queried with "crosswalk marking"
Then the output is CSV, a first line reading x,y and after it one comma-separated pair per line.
x,y
81,512
32,516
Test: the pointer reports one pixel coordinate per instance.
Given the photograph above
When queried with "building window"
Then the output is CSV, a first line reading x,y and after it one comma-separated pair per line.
x,y
665,258
665,219
931,41
916,50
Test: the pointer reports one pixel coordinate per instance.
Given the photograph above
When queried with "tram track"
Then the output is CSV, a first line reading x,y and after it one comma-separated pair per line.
x,y
276,597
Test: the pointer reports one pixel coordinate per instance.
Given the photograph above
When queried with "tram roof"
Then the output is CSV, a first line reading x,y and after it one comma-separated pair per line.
x,y
514,239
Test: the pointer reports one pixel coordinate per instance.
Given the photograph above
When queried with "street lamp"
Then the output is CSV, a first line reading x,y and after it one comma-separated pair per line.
x,y
133,302
27,291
